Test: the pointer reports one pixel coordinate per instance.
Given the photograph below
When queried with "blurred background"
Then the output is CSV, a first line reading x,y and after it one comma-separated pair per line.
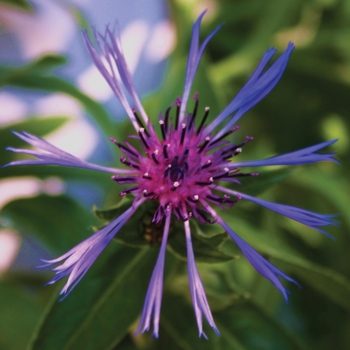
x,y
49,87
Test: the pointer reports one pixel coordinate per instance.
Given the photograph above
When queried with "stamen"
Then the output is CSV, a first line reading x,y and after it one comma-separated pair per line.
x,y
205,143
130,164
224,135
176,184
217,177
194,199
139,120
165,153
124,180
167,170
183,132
122,147
204,217
244,174
147,194
128,190
178,105
162,128
207,109
154,154
141,132
209,163
205,183
146,176
166,118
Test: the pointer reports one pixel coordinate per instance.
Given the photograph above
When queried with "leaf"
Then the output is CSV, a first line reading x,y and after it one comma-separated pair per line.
x,y
34,125
327,281
21,4
247,324
59,222
242,325
20,313
106,302
138,232
256,185
207,247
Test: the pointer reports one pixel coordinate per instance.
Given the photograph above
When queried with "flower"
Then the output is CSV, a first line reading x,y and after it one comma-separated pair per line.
x,y
180,170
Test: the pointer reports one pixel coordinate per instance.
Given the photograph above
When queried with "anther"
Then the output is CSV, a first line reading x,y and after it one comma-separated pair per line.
x,y
165,152
162,128
122,147
154,154
207,165
205,143
146,176
128,190
194,199
167,170
183,132
176,184
217,177
139,120
205,183
178,105
130,164
141,132
224,135
207,109
147,194
123,180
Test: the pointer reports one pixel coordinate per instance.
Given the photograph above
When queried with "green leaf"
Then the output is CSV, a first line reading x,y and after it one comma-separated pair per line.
x,y
246,324
20,313
325,280
258,184
138,232
59,222
21,4
207,246
106,302
38,126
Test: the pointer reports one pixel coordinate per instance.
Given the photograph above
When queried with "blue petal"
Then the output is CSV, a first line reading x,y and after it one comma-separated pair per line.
x,y
264,267
193,61
199,299
155,289
77,261
48,154
302,156
257,87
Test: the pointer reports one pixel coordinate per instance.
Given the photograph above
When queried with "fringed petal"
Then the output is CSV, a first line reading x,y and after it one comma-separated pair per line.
x,y
48,154
155,289
306,155
115,66
199,299
193,61
305,217
264,267
257,87
76,262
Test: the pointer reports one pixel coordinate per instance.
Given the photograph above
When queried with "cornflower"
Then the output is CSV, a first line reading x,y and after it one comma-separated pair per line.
x,y
183,171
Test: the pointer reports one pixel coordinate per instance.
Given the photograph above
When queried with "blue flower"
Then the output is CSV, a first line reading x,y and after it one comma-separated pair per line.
x,y
181,171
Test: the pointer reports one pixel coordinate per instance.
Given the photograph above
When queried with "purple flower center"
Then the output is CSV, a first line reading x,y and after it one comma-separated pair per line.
x,y
181,167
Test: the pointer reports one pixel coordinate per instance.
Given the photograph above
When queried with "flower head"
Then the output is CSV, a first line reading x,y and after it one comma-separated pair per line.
x,y
182,170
